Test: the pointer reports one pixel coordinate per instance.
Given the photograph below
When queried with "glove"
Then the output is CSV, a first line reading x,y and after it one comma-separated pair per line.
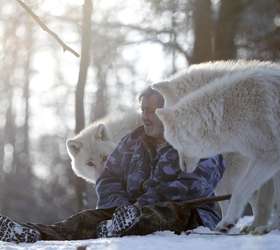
x,y
123,219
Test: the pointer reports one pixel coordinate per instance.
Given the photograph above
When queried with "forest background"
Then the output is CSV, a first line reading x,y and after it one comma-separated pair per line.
x,y
48,94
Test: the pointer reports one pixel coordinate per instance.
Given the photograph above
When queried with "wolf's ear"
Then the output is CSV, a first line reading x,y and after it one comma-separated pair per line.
x,y
166,89
73,146
101,132
166,115
162,87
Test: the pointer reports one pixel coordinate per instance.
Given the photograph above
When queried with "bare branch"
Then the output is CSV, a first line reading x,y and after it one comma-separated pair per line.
x,y
146,30
176,46
45,28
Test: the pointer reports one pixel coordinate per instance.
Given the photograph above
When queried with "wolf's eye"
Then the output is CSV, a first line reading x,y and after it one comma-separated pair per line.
x,y
91,164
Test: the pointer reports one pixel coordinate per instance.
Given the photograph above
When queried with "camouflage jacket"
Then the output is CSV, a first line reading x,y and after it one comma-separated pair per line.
x,y
135,172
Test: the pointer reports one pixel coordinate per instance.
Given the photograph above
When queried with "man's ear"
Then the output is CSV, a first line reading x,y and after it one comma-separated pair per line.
x,y
166,115
73,146
101,132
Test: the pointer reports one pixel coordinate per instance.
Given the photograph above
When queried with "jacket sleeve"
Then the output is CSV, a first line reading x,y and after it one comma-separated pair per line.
x,y
200,183
172,184
111,186
210,171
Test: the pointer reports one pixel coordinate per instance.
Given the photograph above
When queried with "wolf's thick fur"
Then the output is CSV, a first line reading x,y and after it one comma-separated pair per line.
x,y
198,75
195,77
89,149
237,112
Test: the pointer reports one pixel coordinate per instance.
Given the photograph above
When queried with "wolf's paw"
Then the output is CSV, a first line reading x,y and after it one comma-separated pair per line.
x,y
256,230
224,226
248,229
260,230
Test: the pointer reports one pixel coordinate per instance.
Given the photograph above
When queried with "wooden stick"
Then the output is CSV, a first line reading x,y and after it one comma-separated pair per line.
x,y
199,201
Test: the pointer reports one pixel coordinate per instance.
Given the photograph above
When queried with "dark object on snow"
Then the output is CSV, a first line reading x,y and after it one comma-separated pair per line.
x,y
12,231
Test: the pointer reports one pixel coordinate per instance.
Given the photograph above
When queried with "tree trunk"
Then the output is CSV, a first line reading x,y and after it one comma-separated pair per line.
x,y
225,29
173,37
79,95
99,108
202,26
26,92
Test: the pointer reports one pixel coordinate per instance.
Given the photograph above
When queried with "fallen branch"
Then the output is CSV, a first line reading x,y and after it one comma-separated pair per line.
x,y
45,28
203,200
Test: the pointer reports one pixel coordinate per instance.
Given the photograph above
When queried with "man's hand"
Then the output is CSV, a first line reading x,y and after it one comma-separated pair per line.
x,y
123,219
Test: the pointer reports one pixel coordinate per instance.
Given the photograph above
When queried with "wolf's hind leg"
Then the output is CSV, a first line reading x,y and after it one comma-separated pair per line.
x,y
261,203
258,173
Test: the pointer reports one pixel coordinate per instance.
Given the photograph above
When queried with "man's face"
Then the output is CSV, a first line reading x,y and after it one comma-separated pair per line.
x,y
152,124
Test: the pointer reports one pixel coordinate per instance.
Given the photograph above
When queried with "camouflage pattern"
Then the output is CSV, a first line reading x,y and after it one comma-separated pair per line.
x,y
79,226
138,173
156,217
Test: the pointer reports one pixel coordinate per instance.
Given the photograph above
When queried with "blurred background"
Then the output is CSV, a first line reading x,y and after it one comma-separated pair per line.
x,y
47,94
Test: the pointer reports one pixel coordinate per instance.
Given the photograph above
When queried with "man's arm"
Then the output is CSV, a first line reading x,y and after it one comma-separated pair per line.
x,y
211,170
200,183
172,184
110,186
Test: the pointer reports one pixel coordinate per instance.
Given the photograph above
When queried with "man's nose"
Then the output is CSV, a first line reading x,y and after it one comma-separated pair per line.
x,y
145,115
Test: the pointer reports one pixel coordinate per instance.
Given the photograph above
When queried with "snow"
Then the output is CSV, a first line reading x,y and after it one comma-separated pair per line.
x,y
165,241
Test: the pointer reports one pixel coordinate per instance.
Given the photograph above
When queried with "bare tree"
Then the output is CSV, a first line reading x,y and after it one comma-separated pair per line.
x,y
202,30
26,92
80,89
226,28
9,129
100,105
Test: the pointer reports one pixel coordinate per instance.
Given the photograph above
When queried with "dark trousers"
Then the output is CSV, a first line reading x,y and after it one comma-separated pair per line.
x,y
157,217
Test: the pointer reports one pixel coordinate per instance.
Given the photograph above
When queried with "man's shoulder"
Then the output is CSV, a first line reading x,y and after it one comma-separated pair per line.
x,y
133,137
137,133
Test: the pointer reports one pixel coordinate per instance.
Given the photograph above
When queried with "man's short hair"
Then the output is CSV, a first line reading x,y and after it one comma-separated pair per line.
x,y
147,92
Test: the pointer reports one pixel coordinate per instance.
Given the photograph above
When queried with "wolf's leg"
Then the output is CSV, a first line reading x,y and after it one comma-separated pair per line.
x,y
258,173
235,167
261,203
276,202
224,187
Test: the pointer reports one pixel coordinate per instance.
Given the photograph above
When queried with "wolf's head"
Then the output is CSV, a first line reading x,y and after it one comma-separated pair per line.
x,y
193,78
180,86
168,91
89,150
168,118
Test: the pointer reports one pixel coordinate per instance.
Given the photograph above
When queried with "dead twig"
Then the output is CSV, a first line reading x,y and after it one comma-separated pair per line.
x,y
45,28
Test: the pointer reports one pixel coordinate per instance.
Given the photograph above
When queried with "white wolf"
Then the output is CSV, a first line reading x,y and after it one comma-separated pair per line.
x,y
195,77
198,75
237,112
89,149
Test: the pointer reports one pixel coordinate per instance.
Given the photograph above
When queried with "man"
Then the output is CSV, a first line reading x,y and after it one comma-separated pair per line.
x,y
141,190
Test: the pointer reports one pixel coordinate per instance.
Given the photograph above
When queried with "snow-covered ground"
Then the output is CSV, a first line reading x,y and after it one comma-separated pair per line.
x,y
164,241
